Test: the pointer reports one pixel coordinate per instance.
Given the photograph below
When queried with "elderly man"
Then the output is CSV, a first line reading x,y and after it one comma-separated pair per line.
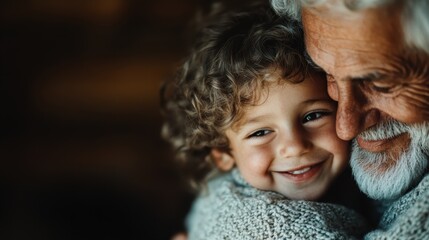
x,y
376,56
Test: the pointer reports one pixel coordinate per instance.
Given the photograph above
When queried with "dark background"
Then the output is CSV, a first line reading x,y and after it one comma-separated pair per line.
x,y
80,152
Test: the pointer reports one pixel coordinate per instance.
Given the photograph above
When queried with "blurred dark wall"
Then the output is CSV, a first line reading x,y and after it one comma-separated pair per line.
x,y
81,156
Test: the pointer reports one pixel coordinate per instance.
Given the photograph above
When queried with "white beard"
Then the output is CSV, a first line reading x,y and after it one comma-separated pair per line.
x,y
380,180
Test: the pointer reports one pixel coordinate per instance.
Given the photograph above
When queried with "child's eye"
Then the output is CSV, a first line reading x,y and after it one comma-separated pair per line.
x,y
314,116
260,133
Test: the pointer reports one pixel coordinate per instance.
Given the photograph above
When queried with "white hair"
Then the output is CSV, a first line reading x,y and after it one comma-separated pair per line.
x,y
415,15
289,7
415,22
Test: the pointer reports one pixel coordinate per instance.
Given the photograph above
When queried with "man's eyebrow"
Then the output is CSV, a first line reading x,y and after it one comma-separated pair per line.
x,y
372,76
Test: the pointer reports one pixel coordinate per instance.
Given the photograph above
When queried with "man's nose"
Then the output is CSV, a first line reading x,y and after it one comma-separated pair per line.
x,y
294,143
354,113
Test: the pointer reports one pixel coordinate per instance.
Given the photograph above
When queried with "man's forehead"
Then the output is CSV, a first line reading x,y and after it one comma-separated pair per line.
x,y
335,13
340,40
348,7
329,8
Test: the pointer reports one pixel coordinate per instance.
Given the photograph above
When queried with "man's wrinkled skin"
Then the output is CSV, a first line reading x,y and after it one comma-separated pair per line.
x,y
377,80
371,73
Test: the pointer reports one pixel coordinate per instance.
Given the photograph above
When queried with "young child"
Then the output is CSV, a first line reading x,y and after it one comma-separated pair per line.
x,y
253,121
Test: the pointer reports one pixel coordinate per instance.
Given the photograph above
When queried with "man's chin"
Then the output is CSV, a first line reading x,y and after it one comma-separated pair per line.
x,y
381,177
370,176
390,174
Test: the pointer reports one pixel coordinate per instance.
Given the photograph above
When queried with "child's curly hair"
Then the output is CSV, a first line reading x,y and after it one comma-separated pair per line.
x,y
230,60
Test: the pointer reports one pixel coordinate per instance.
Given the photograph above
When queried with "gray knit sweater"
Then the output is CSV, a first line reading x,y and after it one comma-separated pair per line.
x,y
232,209
407,217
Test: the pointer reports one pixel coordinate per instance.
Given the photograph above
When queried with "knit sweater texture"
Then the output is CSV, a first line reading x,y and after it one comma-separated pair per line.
x,y
407,217
232,209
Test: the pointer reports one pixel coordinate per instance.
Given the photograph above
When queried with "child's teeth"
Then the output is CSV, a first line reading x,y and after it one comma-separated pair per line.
x,y
301,171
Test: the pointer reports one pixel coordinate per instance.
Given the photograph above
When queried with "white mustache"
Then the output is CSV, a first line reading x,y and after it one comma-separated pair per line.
x,y
385,130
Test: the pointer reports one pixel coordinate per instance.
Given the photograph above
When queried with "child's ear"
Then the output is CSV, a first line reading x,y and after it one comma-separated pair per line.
x,y
223,160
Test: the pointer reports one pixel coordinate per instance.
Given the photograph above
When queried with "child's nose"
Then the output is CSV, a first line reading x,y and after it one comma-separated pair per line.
x,y
293,144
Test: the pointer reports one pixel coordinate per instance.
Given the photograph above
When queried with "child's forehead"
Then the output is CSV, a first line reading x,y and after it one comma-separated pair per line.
x,y
260,92
258,95
278,75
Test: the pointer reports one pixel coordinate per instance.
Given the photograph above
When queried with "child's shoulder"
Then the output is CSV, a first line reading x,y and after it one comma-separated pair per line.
x,y
233,208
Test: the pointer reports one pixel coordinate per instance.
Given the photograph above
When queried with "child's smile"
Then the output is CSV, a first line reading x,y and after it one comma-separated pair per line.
x,y
302,173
